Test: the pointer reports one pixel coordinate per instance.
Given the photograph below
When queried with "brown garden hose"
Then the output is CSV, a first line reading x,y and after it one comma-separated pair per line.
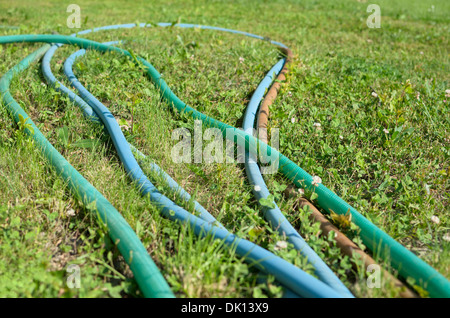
x,y
347,246
263,115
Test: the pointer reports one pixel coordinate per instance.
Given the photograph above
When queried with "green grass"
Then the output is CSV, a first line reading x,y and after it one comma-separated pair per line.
x,y
398,179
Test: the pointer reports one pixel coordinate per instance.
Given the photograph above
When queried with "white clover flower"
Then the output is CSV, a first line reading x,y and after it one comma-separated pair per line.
x,y
316,181
435,219
317,126
257,188
386,131
447,93
293,120
70,212
377,130
301,191
374,94
341,137
446,237
280,245
241,59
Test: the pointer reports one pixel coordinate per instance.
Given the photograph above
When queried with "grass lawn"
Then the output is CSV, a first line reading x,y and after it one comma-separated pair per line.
x,y
383,145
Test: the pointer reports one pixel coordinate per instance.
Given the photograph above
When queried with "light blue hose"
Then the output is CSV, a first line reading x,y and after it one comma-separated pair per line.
x,y
274,215
263,259
91,115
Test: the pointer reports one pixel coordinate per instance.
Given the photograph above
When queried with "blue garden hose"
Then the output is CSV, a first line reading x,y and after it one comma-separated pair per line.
x,y
132,167
91,115
274,215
